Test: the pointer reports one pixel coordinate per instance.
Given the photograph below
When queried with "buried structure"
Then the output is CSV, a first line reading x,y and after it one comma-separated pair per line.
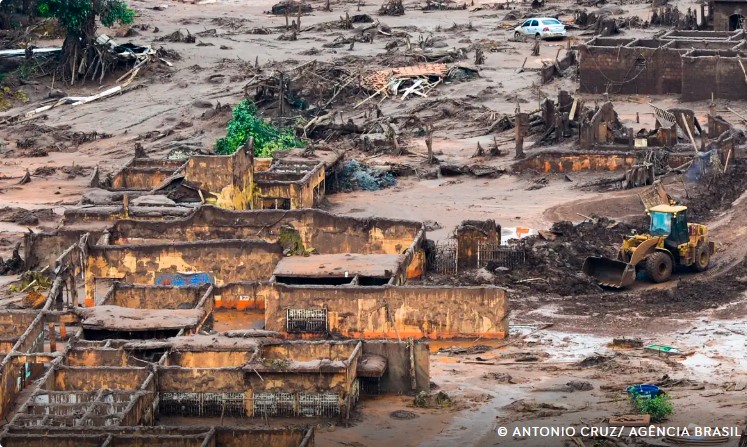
x,y
226,316
154,187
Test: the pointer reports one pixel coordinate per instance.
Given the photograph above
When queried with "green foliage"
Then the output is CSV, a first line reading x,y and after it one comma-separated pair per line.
x,y
659,407
74,15
111,12
246,123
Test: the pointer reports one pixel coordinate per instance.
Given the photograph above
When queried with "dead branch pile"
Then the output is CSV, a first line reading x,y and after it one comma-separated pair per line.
x,y
441,5
178,36
309,89
392,8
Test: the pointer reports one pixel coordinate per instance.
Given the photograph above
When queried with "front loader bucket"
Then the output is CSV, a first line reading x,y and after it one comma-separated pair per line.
x,y
609,272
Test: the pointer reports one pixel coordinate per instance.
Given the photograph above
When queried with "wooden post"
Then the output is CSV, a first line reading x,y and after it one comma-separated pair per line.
x,y
126,205
429,143
281,102
52,337
63,330
520,125
413,373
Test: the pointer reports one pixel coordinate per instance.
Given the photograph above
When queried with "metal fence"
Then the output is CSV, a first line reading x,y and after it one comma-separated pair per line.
x,y
306,320
443,258
499,255
262,404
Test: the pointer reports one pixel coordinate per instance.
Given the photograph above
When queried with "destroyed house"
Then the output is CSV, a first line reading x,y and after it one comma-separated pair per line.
x,y
301,273
137,312
108,393
685,62
290,180
233,375
606,143
727,15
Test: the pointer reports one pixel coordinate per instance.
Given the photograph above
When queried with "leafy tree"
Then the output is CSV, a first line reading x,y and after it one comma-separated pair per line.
x,y
246,123
78,18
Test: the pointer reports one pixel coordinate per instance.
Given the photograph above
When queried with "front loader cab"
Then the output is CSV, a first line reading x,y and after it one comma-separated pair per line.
x,y
670,222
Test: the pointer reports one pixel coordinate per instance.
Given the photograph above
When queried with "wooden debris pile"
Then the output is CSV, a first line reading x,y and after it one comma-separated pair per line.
x,y
402,82
310,88
109,55
441,5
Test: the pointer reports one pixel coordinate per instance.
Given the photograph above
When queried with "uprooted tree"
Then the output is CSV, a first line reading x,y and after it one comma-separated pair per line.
x,y
78,18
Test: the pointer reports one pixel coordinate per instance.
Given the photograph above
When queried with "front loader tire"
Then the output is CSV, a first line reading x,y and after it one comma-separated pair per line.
x,y
659,267
702,258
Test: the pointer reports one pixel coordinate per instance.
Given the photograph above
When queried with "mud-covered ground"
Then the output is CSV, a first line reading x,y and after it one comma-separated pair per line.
x,y
186,106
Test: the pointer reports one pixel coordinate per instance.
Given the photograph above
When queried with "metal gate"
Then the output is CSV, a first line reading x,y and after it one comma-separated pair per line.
x,y
443,258
499,255
306,320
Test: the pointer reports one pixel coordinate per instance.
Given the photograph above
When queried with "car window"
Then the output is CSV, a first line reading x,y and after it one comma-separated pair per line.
x,y
526,23
534,23
551,22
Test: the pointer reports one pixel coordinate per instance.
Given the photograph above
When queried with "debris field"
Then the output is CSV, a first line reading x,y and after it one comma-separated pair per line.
x,y
411,223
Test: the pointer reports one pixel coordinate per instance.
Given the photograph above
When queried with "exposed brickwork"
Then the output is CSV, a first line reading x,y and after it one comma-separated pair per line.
x,y
705,74
723,10
636,70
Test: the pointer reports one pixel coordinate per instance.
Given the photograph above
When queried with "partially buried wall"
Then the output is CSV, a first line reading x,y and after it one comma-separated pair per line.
x,y
229,177
220,436
707,72
327,233
220,262
394,312
154,297
43,249
622,66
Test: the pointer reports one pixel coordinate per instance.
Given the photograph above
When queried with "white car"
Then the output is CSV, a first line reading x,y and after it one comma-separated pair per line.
x,y
540,28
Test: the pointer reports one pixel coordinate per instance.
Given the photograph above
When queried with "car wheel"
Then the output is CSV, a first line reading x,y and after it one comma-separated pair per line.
x,y
537,36
517,35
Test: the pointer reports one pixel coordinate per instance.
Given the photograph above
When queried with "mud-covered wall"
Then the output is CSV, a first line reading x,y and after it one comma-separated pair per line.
x,y
308,351
223,261
629,70
209,359
397,377
230,177
300,193
560,162
154,297
13,323
173,379
97,357
722,11
160,436
141,178
17,440
240,296
325,232
242,437
93,379
396,312
705,73
43,249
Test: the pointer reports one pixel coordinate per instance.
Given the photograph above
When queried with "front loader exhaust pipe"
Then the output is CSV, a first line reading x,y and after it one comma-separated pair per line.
x,y
609,272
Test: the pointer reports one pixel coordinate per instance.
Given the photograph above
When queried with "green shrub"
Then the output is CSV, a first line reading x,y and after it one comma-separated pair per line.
x,y
659,407
75,15
246,123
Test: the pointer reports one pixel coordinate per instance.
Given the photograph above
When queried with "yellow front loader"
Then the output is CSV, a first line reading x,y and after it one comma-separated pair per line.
x,y
670,241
